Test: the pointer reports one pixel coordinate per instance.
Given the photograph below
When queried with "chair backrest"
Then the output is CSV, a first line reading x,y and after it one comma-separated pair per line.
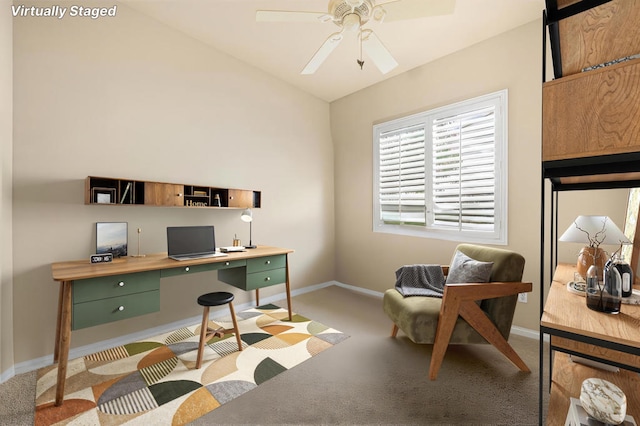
x,y
507,266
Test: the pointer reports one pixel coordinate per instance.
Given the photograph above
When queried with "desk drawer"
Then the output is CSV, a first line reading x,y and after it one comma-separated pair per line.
x,y
192,269
115,285
239,278
266,278
102,311
266,263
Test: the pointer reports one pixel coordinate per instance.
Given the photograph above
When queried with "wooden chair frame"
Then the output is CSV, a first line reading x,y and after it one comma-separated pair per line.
x,y
460,300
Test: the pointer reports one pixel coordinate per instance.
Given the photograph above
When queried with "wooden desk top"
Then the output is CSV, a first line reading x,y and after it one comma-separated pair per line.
x,y
81,269
568,312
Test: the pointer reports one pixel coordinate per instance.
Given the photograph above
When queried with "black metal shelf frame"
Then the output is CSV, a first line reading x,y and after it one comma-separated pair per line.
x,y
554,171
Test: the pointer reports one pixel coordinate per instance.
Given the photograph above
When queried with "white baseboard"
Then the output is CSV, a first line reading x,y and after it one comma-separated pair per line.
x,y
359,289
526,332
44,361
7,374
520,331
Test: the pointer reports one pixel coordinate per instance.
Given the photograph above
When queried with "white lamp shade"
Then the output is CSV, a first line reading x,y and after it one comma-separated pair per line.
x,y
247,215
593,231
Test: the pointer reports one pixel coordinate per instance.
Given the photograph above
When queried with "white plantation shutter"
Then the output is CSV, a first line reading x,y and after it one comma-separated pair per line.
x,y
402,175
443,174
463,170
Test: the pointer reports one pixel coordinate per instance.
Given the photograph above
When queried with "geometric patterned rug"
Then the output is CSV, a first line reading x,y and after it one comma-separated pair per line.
x,y
154,382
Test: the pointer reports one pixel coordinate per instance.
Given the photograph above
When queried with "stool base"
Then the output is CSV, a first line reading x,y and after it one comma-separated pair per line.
x,y
207,333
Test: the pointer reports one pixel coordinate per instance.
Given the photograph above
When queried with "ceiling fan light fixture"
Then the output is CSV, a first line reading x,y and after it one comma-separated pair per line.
x,y
341,8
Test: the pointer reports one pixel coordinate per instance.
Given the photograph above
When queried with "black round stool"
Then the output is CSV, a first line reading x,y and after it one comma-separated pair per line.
x,y
217,298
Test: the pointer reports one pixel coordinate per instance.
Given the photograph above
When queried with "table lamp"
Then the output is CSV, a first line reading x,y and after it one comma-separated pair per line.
x,y
593,231
247,216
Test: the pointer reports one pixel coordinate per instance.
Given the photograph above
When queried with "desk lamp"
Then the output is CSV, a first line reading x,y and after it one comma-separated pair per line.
x,y
247,216
593,231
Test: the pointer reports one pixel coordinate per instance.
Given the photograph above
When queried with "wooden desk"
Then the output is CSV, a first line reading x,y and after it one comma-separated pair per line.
x,y
576,329
92,294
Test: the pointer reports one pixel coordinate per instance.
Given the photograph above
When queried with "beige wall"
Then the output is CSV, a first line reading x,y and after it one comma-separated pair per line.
x,y
6,155
513,61
129,97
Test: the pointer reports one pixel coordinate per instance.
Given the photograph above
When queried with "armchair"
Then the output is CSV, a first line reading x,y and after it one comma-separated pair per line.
x,y
468,313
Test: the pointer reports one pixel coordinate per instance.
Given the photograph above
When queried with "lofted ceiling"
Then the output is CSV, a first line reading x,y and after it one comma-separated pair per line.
x,y
282,49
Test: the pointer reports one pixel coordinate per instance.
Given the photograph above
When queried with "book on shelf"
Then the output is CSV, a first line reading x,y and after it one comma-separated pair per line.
x,y
124,195
577,416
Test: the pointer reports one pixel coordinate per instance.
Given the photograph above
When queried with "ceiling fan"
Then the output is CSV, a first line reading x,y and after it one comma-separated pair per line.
x,y
351,16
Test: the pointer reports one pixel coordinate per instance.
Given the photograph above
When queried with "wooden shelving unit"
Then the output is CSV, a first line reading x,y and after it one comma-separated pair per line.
x,y
575,329
119,191
590,141
567,380
571,103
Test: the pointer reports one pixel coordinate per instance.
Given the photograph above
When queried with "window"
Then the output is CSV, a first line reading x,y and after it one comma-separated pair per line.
x,y
443,173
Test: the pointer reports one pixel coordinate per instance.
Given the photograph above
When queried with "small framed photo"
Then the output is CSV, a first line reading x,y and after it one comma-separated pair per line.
x,y
103,195
112,237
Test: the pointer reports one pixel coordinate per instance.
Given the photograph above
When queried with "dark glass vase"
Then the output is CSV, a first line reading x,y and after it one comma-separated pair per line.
x,y
604,296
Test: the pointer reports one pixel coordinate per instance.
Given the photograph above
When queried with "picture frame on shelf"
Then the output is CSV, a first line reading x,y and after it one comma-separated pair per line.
x,y
103,195
112,237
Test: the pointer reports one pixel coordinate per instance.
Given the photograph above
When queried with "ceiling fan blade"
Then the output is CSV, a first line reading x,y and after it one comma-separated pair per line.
x,y
327,47
290,16
410,9
379,54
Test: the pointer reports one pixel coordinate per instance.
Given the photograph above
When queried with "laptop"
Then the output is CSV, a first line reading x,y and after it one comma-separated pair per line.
x,y
191,242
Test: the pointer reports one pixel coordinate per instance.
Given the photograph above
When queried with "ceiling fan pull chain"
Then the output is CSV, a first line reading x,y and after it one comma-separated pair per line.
x,y
360,61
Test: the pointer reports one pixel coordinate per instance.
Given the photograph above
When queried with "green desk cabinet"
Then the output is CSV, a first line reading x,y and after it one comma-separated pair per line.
x,y
105,299
258,273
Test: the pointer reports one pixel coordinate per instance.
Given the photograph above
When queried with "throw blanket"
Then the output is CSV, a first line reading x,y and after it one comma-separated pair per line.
x,y
420,280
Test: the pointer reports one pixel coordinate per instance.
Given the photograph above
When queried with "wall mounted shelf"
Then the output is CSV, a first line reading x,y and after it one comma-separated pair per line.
x,y
119,191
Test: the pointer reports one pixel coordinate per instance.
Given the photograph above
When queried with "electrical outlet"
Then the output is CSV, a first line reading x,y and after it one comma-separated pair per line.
x,y
522,297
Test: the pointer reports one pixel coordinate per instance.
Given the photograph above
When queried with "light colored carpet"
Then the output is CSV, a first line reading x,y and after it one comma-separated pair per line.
x,y
368,379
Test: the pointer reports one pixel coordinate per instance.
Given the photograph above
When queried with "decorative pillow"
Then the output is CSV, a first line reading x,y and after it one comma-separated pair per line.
x,y
464,269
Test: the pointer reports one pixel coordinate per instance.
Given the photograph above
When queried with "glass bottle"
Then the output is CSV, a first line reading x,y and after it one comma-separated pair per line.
x,y
593,290
626,273
611,294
